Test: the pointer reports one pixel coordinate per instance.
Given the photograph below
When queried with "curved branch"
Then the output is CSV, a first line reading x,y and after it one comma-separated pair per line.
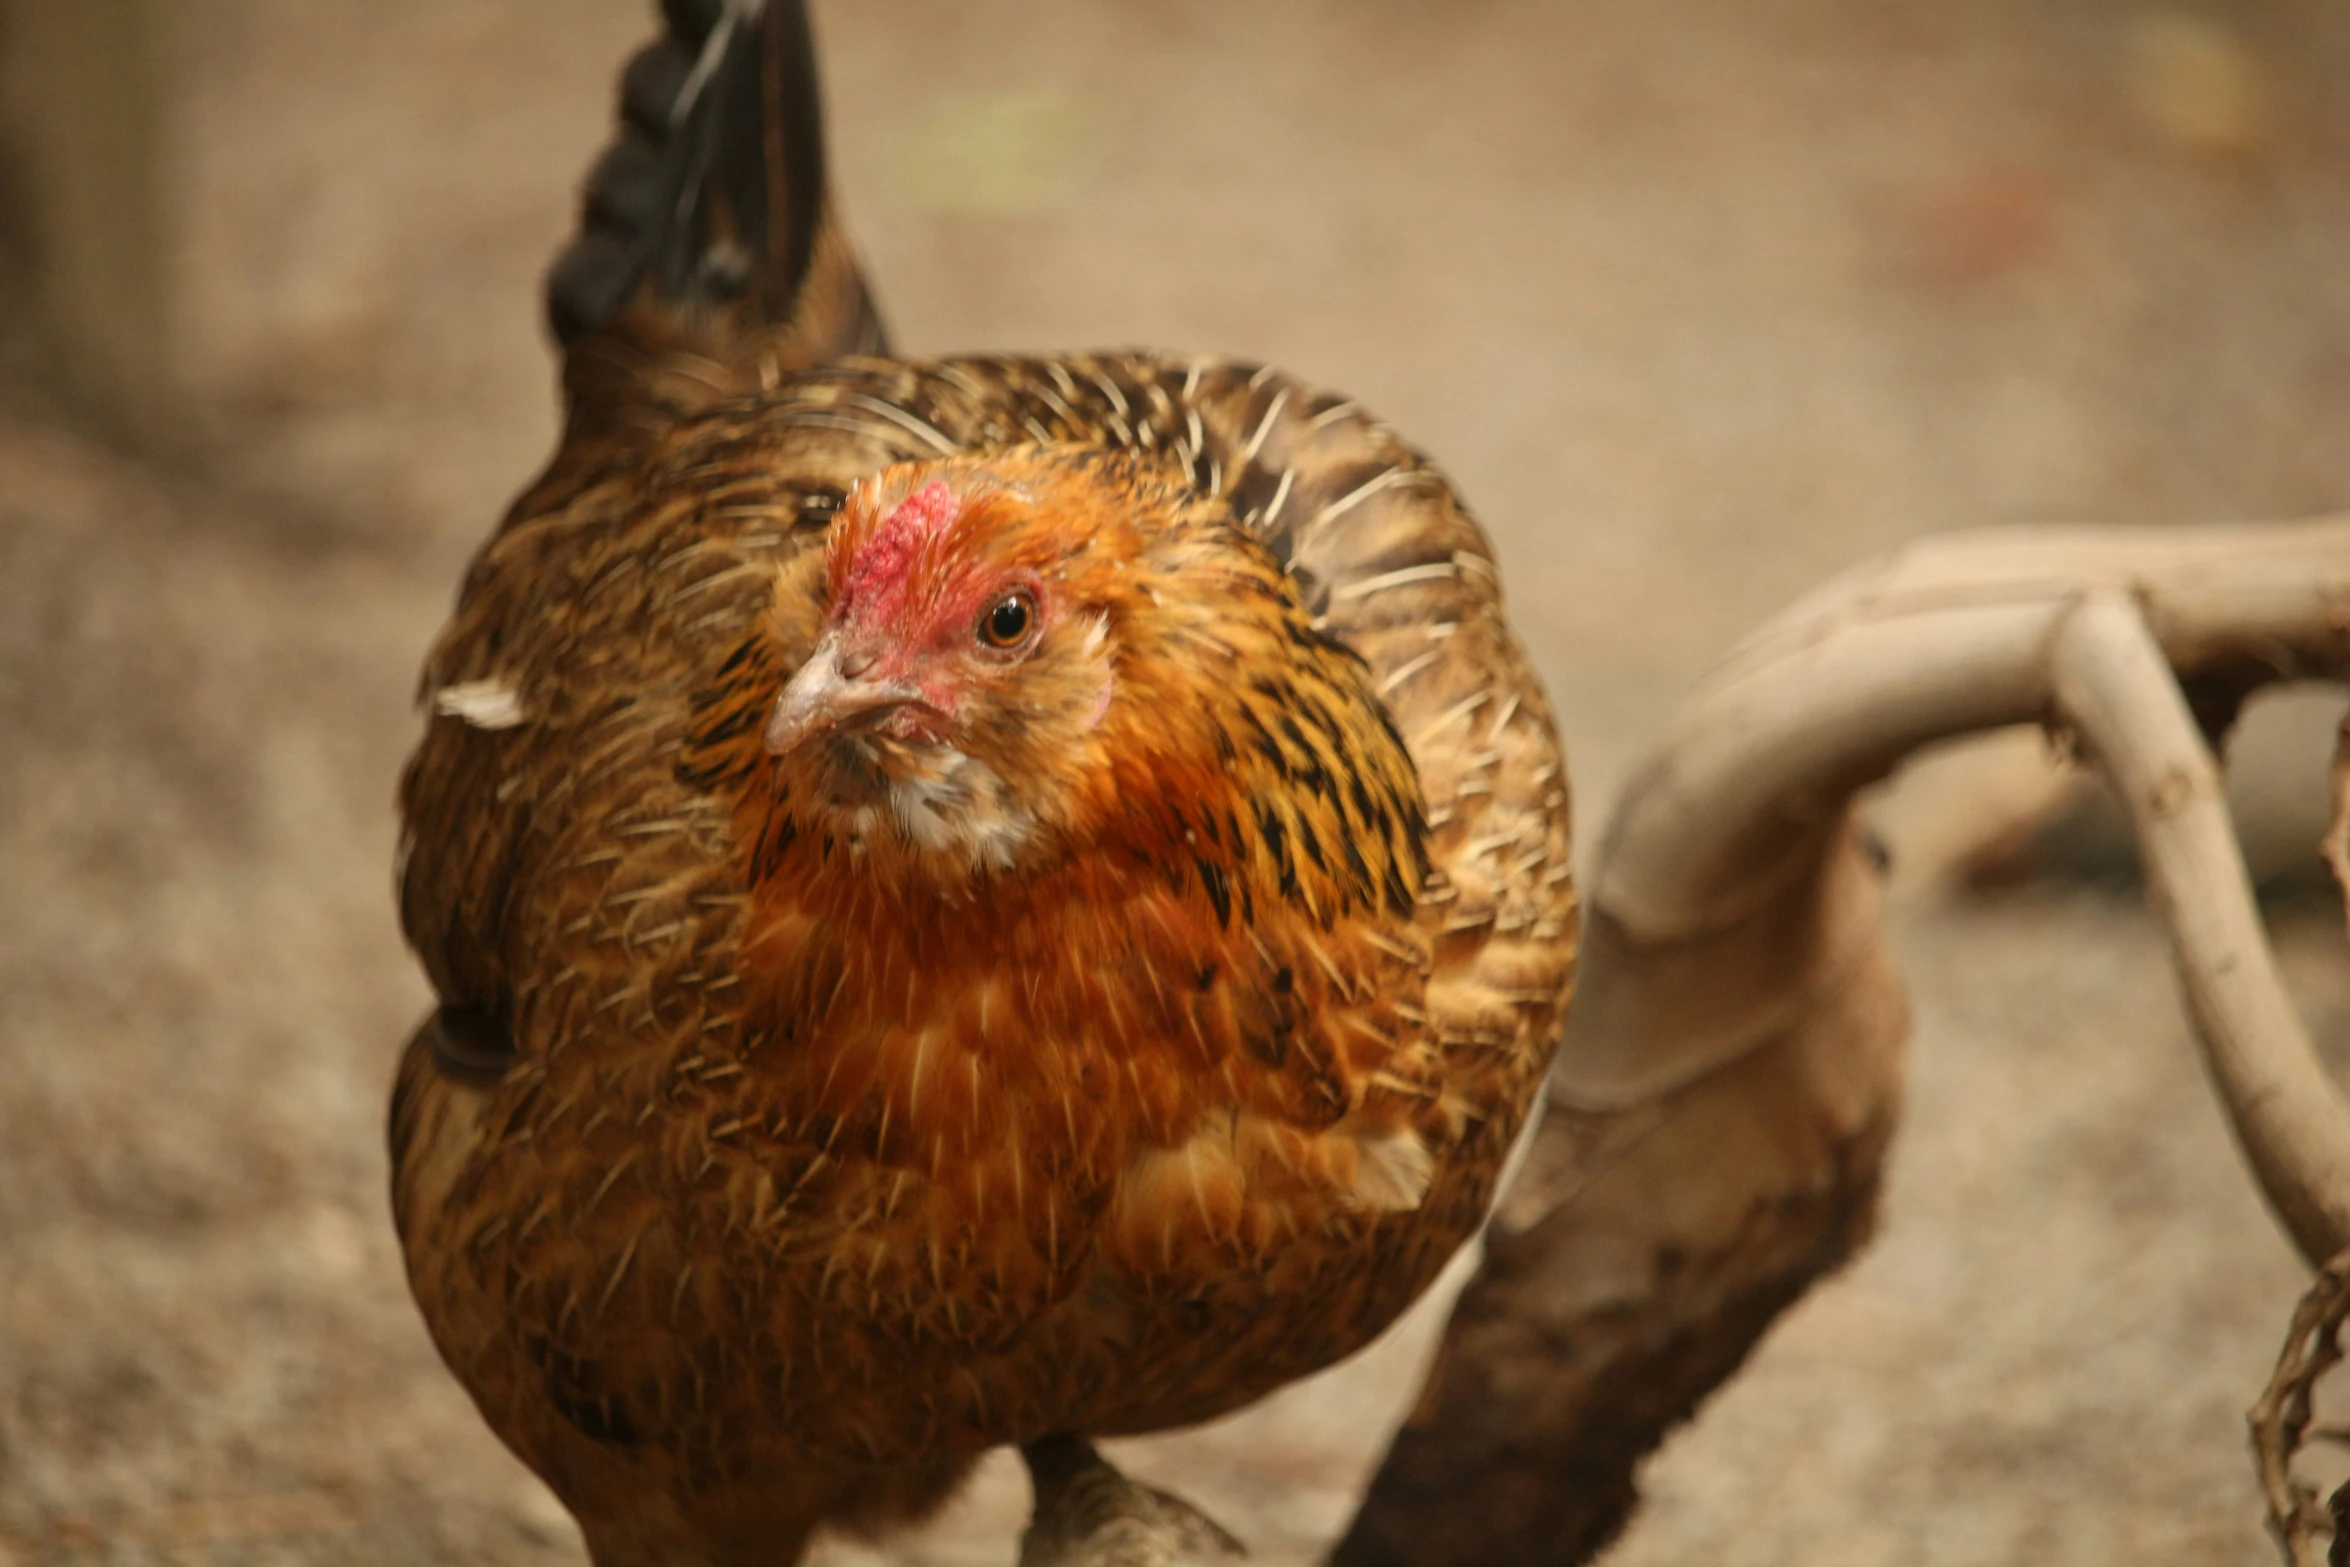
x,y
1951,636
1945,637
2112,682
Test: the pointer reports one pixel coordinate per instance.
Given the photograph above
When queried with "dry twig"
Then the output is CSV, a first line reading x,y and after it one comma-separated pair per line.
x,y
2288,1116
2281,1424
2281,1419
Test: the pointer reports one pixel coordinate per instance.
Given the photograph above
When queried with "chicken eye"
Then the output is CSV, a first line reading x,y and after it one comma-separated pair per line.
x,y
1008,622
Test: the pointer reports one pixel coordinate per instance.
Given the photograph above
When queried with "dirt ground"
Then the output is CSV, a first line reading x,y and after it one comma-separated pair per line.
x,y
1699,300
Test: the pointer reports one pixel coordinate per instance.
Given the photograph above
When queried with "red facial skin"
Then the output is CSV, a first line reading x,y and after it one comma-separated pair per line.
x,y
910,610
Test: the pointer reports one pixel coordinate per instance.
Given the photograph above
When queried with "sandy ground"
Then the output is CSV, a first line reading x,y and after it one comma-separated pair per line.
x,y
1699,300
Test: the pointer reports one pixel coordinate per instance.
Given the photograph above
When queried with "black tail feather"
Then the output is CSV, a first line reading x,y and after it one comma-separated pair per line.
x,y
704,224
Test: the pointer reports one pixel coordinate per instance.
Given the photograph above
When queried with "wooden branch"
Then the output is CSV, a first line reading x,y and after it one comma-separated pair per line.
x,y
2307,1533
1727,1085
2281,1422
2112,682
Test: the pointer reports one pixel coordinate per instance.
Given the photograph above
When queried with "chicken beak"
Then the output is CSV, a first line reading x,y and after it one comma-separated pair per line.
x,y
831,692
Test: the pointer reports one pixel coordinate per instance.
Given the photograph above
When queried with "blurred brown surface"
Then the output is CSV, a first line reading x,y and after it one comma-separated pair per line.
x,y
84,117
1697,300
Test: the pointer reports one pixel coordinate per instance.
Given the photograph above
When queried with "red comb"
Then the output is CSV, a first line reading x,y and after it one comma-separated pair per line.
x,y
881,566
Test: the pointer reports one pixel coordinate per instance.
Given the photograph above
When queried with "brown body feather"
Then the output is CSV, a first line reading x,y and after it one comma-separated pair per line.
x,y
754,1178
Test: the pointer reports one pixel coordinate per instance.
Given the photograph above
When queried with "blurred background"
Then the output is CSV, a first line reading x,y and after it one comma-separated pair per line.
x,y
1698,300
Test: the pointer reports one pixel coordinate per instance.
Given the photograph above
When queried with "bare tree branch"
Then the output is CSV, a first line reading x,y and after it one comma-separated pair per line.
x,y
2281,1423
2112,682
2281,1420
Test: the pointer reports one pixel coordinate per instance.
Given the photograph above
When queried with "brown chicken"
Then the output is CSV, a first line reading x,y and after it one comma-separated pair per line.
x,y
973,900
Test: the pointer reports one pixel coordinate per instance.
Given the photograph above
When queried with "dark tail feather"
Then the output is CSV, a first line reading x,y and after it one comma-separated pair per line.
x,y
708,258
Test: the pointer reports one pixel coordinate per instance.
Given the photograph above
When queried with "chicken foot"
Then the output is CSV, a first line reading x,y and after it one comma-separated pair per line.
x,y
1088,1514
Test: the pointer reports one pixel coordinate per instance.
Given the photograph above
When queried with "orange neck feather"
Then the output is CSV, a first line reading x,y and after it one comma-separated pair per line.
x,y
1239,813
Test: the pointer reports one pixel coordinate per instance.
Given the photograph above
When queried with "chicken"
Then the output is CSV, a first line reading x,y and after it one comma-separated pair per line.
x,y
972,900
